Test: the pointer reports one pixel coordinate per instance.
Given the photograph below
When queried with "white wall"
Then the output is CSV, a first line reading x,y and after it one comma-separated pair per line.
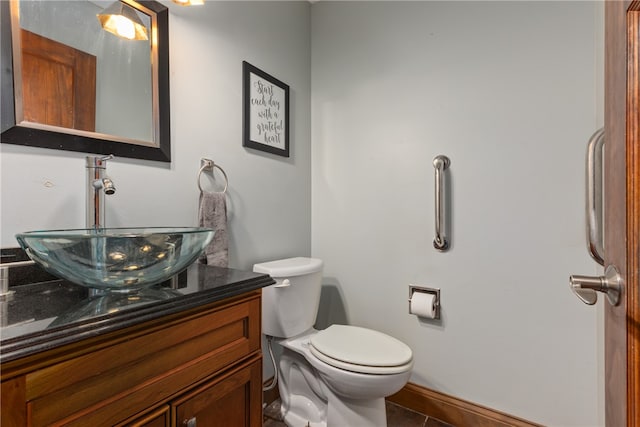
x,y
510,91
269,196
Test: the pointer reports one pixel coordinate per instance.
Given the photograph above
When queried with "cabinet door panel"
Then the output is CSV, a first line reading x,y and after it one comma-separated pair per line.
x,y
12,408
231,400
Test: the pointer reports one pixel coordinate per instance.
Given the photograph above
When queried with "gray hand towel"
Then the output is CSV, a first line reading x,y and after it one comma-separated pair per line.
x,y
213,214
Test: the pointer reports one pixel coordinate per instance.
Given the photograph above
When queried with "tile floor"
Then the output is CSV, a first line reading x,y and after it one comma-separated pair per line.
x,y
397,416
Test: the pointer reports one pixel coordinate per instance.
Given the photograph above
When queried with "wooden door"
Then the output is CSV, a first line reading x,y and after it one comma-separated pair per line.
x,y
58,84
622,209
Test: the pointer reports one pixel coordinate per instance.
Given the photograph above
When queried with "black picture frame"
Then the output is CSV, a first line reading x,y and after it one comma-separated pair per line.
x,y
265,108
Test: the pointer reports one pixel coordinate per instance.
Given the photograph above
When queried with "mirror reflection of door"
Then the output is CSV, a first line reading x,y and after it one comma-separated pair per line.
x,y
58,83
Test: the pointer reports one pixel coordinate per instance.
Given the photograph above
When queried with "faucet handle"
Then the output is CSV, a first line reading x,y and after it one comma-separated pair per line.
x,y
98,161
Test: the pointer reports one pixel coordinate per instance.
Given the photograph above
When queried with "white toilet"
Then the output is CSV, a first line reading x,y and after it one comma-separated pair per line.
x,y
337,377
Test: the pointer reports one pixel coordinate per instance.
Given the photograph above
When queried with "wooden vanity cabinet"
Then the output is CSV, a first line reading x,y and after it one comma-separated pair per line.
x,y
202,366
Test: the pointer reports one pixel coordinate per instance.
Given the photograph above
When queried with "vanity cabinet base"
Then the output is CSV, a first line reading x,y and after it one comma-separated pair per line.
x,y
205,363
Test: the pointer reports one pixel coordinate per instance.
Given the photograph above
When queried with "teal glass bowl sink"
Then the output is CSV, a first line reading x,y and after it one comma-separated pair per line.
x,y
116,258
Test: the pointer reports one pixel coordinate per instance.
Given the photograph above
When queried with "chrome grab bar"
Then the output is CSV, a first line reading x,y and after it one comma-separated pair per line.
x,y
594,207
440,163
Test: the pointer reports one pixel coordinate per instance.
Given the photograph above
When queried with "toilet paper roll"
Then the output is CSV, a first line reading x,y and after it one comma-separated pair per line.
x,y
423,305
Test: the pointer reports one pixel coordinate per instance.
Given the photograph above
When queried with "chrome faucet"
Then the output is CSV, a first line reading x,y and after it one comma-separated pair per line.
x,y
98,184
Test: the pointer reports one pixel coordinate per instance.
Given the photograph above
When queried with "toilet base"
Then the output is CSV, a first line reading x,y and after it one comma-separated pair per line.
x,y
340,412
300,413
308,401
356,413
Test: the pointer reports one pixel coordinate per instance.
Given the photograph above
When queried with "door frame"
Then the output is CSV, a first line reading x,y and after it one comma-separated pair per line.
x,y
633,213
622,210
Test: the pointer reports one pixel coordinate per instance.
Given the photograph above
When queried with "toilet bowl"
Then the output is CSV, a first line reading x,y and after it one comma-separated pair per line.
x,y
334,377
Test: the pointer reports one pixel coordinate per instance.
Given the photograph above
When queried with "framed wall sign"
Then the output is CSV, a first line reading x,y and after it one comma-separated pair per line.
x,y
265,111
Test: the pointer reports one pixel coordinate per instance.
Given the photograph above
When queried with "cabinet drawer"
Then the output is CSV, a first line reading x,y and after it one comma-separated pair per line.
x,y
123,379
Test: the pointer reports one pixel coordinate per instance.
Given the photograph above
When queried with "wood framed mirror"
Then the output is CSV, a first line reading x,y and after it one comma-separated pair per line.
x,y
68,84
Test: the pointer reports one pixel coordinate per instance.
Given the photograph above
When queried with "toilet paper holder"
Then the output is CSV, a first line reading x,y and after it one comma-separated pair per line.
x,y
433,291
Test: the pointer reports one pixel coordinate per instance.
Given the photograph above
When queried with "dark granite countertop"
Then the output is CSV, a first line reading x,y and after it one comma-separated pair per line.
x,y
48,314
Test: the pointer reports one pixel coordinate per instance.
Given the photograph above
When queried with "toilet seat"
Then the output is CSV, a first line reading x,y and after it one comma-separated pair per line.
x,y
361,350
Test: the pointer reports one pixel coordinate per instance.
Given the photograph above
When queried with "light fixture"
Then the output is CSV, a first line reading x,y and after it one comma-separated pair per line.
x,y
123,21
189,2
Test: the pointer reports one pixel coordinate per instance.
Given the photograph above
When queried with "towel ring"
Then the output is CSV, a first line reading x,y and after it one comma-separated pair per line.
x,y
207,165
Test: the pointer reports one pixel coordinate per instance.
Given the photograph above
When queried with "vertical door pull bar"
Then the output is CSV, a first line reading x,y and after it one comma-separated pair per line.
x,y
586,288
440,163
595,239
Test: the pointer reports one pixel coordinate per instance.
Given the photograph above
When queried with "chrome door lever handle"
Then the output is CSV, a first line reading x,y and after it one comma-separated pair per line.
x,y
586,287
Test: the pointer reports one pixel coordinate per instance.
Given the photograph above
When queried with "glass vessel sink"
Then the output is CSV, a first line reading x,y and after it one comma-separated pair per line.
x,y
116,258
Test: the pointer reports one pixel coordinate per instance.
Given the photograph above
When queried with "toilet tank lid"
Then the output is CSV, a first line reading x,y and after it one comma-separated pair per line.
x,y
289,267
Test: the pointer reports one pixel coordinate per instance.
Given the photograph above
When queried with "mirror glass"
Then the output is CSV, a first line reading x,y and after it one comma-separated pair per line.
x,y
78,87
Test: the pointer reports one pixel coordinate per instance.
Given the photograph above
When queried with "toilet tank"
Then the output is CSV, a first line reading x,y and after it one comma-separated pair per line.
x,y
290,306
